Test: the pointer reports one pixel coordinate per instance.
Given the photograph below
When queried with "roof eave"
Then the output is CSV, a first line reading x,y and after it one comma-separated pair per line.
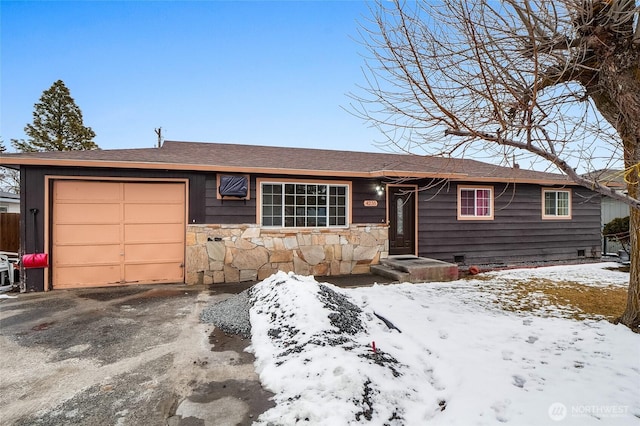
x,y
537,181
24,161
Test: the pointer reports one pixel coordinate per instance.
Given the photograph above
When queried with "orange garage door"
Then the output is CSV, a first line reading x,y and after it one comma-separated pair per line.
x,y
107,233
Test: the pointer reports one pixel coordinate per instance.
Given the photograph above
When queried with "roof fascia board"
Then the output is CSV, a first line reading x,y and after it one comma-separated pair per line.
x,y
518,180
416,175
216,168
22,161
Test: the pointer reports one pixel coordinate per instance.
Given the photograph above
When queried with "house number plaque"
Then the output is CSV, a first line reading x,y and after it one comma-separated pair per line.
x,y
371,203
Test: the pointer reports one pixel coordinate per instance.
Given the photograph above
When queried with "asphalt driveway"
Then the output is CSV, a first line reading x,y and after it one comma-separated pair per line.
x,y
135,355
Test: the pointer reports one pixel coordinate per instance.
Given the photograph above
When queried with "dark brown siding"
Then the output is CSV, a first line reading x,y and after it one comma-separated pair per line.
x,y
517,233
363,190
32,230
229,210
233,211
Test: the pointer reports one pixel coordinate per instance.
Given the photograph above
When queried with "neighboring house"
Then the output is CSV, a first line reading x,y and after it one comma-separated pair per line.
x,y
212,213
611,209
9,203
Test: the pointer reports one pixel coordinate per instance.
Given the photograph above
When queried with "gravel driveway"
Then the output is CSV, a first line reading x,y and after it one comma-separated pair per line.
x,y
135,355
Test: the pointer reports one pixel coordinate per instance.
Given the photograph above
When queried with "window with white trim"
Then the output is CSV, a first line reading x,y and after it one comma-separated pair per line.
x,y
304,204
475,203
556,204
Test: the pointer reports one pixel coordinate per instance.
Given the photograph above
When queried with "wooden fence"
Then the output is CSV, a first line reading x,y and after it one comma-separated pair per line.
x,y
10,232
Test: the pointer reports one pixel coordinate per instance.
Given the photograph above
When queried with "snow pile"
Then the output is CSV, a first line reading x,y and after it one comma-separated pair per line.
x,y
458,360
314,350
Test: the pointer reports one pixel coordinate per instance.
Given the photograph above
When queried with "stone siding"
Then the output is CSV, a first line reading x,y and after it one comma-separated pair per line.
x,y
235,253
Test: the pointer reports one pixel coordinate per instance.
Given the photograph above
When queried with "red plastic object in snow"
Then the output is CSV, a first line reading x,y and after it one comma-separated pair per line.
x,y
35,260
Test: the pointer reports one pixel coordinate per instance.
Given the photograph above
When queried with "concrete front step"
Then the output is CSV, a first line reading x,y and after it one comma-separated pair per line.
x,y
409,268
390,273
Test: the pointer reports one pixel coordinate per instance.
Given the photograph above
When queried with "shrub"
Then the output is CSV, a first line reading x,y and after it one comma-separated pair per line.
x,y
618,230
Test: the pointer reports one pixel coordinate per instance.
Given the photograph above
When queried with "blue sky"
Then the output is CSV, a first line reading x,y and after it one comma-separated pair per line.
x,y
266,73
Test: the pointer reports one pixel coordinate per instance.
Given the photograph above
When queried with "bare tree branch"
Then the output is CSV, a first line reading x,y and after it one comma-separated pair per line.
x,y
555,81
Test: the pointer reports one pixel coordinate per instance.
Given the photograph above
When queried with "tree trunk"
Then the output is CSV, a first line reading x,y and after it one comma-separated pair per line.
x,y
617,96
631,315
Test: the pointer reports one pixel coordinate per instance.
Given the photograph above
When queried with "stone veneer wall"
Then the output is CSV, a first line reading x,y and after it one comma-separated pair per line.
x,y
235,253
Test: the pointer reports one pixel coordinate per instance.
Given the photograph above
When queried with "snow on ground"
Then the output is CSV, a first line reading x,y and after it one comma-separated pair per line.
x,y
458,359
594,274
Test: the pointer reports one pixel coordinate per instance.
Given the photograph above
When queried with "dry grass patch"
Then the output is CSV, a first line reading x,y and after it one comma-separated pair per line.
x,y
570,299
625,268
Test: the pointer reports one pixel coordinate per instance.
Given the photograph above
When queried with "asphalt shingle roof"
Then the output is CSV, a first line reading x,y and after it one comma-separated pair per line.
x,y
284,160
9,195
613,178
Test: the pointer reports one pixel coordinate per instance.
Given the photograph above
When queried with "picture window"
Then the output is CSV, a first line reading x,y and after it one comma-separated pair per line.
x,y
304,204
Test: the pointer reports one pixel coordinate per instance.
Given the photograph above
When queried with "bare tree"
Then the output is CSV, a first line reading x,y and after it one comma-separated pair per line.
x,y
9,178
553,81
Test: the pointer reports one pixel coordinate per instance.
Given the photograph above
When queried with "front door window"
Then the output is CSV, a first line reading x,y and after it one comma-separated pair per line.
x,y
400,216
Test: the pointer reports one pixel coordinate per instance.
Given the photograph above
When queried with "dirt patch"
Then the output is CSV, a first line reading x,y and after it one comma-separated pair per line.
x,y
43,326
223,342
626,268
230,288
161,293
136,397
32,312
248,393
103,295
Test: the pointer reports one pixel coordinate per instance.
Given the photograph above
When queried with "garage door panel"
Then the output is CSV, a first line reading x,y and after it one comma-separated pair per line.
x,y
87,255
87,234
75,213
153,213
160,272
86,276
117,232
152,192
87,190
153,233
153,252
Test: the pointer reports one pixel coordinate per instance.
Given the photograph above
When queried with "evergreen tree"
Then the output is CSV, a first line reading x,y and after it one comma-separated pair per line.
x,y
57,124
